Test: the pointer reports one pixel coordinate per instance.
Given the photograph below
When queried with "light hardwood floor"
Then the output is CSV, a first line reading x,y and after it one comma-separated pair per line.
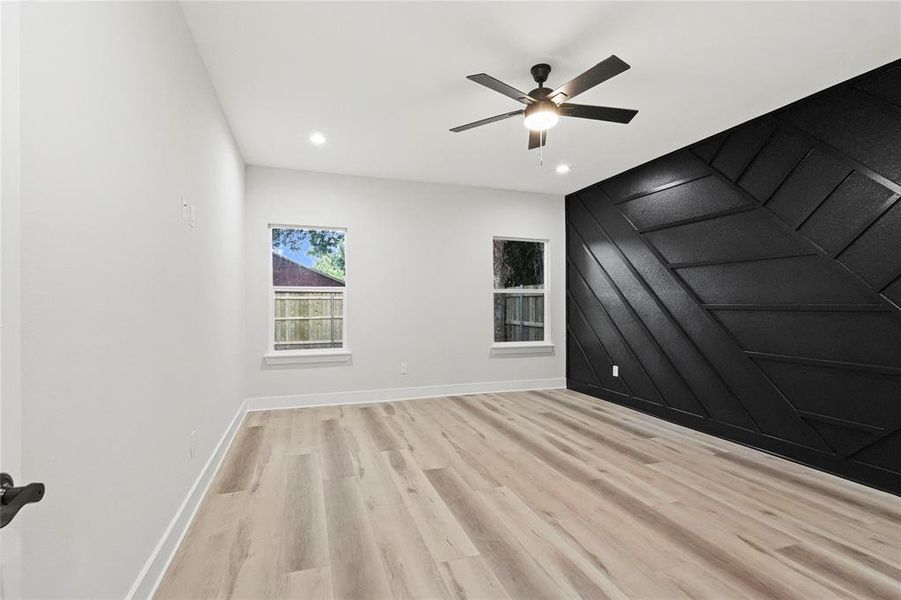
x,y
524,495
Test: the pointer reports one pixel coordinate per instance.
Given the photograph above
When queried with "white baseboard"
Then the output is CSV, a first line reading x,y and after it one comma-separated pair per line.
x,y
411,393
150,576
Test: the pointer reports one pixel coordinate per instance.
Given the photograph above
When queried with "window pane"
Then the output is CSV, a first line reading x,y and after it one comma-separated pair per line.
x,y
519,317
307,258
518,264
305,320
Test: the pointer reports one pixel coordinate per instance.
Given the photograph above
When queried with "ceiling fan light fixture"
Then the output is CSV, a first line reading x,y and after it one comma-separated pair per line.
x,y
541,115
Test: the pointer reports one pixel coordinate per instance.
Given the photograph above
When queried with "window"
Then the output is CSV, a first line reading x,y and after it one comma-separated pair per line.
x,y
520,305
307,301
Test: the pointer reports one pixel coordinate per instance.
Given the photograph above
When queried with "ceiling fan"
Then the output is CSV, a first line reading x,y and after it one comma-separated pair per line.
x,y
544,106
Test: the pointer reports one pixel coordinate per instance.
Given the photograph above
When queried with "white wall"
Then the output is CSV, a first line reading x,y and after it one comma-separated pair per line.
x,y
131,320
10,398
419,268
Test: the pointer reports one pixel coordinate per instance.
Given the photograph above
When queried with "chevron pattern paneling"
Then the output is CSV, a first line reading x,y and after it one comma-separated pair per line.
x,y
749,285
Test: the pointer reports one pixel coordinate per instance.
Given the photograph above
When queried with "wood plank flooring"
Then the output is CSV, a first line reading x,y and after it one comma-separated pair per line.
x,y
524,495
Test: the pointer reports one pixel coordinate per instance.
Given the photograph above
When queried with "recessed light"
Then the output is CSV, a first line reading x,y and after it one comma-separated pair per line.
x,y
317,139
562,169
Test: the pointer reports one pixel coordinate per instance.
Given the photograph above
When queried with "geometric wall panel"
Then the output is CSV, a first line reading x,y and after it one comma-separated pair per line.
x,y
864,337
893,291
664,171
808,185
846,395
738,149
801,279
885,84
883,453
774,163
705,196
849,208
725,238
855,124
749,285
841,438
876,255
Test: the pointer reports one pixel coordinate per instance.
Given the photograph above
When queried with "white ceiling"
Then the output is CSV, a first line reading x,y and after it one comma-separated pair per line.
x,y
385,81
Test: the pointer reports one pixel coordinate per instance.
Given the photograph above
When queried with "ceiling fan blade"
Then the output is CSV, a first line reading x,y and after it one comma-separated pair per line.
x,y
499,86
598,113
537,138
486,121
601,72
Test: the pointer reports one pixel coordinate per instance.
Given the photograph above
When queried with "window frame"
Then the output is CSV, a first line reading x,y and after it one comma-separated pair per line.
x,y
546,345
310,355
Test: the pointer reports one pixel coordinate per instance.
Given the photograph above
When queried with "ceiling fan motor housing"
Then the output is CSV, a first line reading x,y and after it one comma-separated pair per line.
x,y
540,73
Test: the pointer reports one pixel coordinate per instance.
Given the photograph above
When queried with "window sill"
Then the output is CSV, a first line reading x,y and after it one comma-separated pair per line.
x,y
288,357
522,348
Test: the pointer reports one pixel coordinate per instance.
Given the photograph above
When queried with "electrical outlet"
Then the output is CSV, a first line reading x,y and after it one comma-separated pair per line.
x,y
403,368
193,449
616,370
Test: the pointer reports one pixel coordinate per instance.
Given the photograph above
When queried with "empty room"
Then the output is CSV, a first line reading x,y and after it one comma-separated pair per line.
x,y
450,300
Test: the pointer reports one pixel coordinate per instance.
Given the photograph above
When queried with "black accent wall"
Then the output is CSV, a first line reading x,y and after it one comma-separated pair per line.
x,y
749,285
